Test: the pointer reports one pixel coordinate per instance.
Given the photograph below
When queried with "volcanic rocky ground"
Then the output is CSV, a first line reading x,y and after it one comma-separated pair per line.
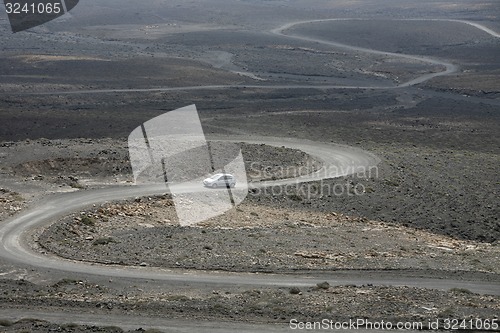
x,y
429,209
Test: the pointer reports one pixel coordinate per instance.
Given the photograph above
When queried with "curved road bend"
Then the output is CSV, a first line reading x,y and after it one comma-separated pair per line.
x,y
14,232
337,160
450,68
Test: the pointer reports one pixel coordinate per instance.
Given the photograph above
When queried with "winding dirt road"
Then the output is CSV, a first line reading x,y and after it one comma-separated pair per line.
x,y
338,161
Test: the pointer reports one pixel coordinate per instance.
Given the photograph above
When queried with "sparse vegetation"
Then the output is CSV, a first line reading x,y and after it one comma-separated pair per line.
x,y
76,185
5,323
69,326
323,285
461,291
64,282
178,298
113,329
104,241
88,221
17,197
295,197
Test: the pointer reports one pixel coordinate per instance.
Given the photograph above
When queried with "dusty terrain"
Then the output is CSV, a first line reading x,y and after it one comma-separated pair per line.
x,y
269,305
80,163
257,239
431,209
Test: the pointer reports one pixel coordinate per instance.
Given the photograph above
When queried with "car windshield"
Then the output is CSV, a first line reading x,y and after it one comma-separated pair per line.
x,y
215,176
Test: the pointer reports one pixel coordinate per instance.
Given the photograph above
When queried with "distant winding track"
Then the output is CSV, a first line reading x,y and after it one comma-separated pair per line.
x,y
449,67
280,31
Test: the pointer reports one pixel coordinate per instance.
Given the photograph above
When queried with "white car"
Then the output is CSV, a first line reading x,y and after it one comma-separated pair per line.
x,y
220,180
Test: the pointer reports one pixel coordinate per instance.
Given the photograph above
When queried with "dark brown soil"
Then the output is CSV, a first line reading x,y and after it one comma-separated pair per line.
x,y
432,206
